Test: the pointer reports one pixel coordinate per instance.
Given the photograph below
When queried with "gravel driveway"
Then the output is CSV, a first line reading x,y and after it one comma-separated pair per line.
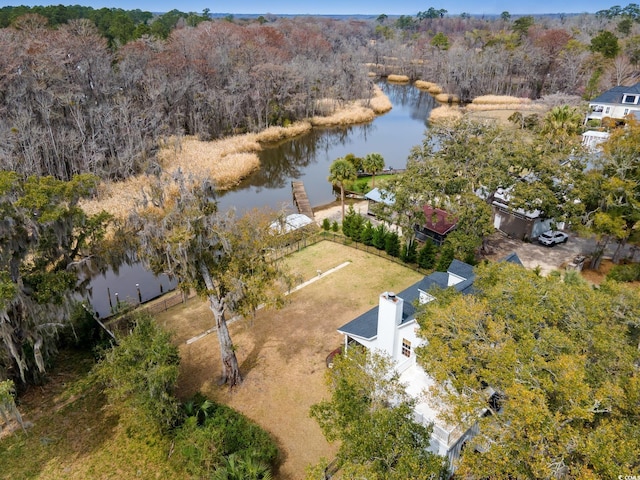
x,y
535,255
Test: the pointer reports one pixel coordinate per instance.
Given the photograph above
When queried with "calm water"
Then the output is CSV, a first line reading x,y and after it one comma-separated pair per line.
x,y
309,157
305,158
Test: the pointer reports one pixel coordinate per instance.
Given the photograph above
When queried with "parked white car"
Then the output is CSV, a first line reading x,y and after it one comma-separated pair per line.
x,y
552,237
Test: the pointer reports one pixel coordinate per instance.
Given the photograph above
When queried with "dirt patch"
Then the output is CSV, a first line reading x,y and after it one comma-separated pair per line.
x,y
282,352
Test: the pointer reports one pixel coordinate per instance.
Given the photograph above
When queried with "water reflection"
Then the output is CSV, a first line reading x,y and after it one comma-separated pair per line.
x,y
305,158
309,156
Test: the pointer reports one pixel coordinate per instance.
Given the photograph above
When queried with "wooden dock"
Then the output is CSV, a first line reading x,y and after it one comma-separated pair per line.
x,y
300,199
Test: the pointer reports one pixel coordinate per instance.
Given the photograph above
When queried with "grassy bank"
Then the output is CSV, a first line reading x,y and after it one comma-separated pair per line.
x,y
229,160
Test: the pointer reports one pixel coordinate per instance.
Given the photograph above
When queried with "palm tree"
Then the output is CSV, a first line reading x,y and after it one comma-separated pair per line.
x,y
341,170
373,163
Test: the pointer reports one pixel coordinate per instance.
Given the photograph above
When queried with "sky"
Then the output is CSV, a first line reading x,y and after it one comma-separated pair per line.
x,y
343,7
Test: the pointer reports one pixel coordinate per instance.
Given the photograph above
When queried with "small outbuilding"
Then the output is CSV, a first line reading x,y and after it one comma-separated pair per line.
x,y
438,224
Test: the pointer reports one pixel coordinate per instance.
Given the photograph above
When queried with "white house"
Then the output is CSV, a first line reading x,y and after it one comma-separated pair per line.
x,y
615,103
391,328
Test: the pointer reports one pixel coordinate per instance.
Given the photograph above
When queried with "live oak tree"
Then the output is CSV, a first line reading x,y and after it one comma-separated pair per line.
x,y
224,259
45,238
461,162
610,192
562,358
371,415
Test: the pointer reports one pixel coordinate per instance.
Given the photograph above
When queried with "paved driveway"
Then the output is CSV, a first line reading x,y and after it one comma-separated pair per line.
x,y
535,255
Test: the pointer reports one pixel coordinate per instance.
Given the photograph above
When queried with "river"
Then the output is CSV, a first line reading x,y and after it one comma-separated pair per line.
x,y
307,158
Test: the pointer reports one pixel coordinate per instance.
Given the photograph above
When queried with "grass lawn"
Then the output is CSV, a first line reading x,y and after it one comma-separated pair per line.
x,y
76,435
364,184
282,352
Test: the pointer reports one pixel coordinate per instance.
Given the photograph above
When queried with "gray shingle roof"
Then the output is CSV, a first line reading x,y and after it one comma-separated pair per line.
x,y
615,94
366,325
460,269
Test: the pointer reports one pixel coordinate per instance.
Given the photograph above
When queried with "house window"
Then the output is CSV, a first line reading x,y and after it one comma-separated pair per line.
x,y
633,99
406,347
626,111
607,110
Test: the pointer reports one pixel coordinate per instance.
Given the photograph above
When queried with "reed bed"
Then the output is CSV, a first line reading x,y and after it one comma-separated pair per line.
x,y
529,107
229,160
380,103
359,111
432,88
393,78
351,114
445,113
447,98
277,134
116,198
500,100
225,161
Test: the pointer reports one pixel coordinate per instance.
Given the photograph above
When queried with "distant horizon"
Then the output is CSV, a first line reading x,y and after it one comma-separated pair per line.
x,y
341,8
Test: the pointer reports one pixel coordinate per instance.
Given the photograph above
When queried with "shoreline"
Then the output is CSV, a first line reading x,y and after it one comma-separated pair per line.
x,y
229,160
333,210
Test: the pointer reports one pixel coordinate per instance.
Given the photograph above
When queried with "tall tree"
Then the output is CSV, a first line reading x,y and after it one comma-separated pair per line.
x,y
45,238
605,43
371,415
373,163
340,172
141,372
612,191
561,358
223,258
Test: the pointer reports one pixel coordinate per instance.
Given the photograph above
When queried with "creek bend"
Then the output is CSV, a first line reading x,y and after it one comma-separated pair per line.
x,y
306,158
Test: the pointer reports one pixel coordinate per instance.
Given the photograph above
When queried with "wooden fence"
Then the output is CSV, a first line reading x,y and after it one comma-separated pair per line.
x,y
170,300
342,240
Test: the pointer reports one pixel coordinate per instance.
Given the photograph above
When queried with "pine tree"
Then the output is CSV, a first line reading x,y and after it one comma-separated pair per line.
x,y
366,236
409,252
392,244
427,255
379,237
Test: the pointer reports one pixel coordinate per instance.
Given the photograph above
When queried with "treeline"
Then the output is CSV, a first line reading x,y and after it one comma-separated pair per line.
x,y
69,104
524,56
118,26
95,91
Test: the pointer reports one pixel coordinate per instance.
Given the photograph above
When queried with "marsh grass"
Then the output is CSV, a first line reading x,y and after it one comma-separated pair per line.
x,y
447,98
227,161
432,88
393,78
500,100
350,113
445,113
504,102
